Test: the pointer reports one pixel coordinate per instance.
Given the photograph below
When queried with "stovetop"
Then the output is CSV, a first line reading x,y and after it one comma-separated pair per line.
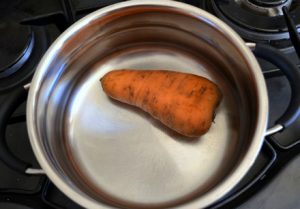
x,y
29,27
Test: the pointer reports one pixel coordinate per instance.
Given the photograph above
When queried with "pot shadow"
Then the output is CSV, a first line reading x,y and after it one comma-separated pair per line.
x,y
155,122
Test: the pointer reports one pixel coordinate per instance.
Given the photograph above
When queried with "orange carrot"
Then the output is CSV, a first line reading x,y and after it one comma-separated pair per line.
x,y
183,102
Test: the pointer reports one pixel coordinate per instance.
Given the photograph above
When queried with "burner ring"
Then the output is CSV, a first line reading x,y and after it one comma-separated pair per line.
x,y
22,48
269,8
16,40
21,59
268,3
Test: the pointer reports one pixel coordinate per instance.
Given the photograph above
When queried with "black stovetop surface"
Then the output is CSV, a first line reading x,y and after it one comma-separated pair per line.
x,y
46,20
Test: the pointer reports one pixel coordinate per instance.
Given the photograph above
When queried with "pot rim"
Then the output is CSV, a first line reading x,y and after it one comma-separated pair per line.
x,y
211,196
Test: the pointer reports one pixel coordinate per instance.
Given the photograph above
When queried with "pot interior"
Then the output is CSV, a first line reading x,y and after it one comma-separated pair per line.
x,y
115,154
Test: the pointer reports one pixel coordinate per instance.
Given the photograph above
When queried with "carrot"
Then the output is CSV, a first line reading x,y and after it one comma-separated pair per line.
x,y
183,102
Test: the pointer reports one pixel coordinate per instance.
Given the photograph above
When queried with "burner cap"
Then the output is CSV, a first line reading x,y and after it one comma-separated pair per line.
x,y
16,44
268,3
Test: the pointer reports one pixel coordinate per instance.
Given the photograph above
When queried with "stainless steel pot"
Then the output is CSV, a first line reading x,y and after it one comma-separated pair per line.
x,y
104,154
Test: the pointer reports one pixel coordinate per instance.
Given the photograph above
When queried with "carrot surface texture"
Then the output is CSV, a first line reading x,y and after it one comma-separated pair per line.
x,y
183,102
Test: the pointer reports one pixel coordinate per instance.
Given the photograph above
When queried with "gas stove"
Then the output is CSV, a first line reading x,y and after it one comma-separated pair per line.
x,y
29,27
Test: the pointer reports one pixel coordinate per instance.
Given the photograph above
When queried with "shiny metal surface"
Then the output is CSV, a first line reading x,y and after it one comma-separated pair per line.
x,y
271,10
275,129
102,153
132,157
251,45
26,86
34,171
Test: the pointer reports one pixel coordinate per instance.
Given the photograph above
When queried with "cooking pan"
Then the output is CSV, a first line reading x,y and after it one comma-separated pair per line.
x,y
104,154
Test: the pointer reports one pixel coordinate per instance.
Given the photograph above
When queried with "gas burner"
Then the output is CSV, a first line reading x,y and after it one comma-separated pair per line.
x,y
258,20
17,42
22,46
269,8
